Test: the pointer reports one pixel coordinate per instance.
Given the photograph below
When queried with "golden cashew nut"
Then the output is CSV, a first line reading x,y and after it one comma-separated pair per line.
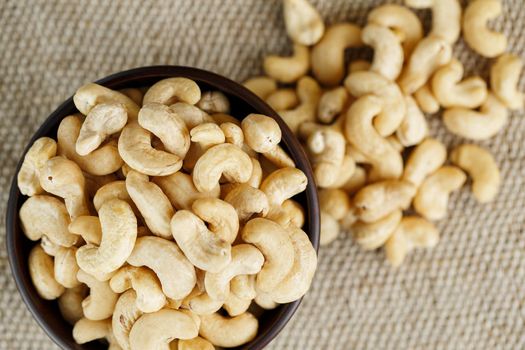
x,y
332,104
70,303
373,235
426,100
190,114
414,127
214,102
388,53
171,90
91,95
282,99
426,158
66,267
309,93
261,86
100,303
28,177
446,17
229,331
41,270
288,69
125,315
504,79
327,151
248,201
304,24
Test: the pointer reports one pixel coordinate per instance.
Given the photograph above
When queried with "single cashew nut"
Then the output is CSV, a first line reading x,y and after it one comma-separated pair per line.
x,y
446,17
28,177
309,93
190,114
414,127
134,94
282,99
220,216
450,91
262,133
236,306
264,300
474,125
203,137
388,53
347,170
86,330
426,100
202,304
229,332
327,151
328,55
288,69
125,315
332,104
304,24
94,183
426,158
335,202
91,95
373,235
171,90
261,86
41,270
103,120
356,181
214,102
197,343
101,301
481,39
175,272
248,201
70,303
504,79
66,267
283,184
88,227
290,213
481,167
112,190
243,286
233,134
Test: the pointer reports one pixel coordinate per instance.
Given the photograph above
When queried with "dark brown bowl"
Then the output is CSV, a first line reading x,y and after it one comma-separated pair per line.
x,y
243,102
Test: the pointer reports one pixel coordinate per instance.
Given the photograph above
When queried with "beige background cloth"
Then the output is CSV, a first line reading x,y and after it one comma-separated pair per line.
x,y
467,293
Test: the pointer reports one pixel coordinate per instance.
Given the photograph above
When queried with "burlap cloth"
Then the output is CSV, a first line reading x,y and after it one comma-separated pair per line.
x,y
467,293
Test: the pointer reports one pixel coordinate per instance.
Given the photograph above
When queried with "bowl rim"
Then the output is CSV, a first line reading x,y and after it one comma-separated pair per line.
x,y
161,72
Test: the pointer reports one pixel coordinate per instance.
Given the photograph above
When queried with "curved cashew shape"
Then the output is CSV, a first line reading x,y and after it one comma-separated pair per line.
x,y
482,125
288,69
373,235
229,332
171,90
291,213
151,202
224,159
194,344
70,303
149,291
134,145
363,136
66,267
275,244
283,184
102,161
243,286
400,20
450,91
112,190
134,94
63,178
332,104
173,269
412,232
327,149
482,168
388,53
88,227
161,121
478,36
190,114
86,330
203,248
49,247
426,100
347,170
261,86
220,216
119,232
125,315
41,270
233,134
426,158
214,102
248,201
101,301
358,179
298,280
202,304
264,300
335,202
28,177
103,120
236,306
328,55
369,83
309,93
282,99
91,95
304,24
414,127
446,17
379,199
245,260
44,215
431,200
156,330
430,53
504,80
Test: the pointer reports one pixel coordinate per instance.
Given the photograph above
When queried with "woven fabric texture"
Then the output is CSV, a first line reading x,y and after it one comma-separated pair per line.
x,y
467,293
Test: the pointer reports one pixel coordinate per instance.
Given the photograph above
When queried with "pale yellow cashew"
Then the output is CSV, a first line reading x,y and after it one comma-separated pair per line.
x,y
369,83
401,21
451,91
214,102
504,79
412,232
90,95
388,53
88,227
431,200
100,303
481,167
265,301
171,90
190,114
358,66
115,189
261,86
28,177
332,104
426,158
243,286
288,69
94,183
477,125
330,229
327,151
426,100
446,17
70,303
430,53
197,343
360,132
200,303
134,94
328,55
291,213
125,315
282,99
356,181
478,36
248,201
414,127
229,332
346,172
283,184
309,93
41,270
86,330
373,235
236,306
66,267
303,22
335,202
203,137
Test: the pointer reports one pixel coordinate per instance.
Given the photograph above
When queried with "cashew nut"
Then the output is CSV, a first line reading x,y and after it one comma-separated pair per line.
x,y
288,69
112,190
197,343
101,301
220,216
94,183
201,304
414,127
481,167
28,177
190,114
214,102
90,95
327,150
262,133
70,303
41,270
125,315
88,227
474,125
450,91
446,17
265,301
171,90
291,213
175,272
373,235
248,201
358,66
236,306
282,99
504,78
335,202
86,330
66,267
332,104
346,171
134,94
309,93
50,247
229,332
481,39
283,184
356,181
412,232
328,55
261,86
388,53
426,100
426,158
304,24
243,286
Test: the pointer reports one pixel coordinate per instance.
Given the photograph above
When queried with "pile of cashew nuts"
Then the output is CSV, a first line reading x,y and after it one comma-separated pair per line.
x,y
380,176
163,222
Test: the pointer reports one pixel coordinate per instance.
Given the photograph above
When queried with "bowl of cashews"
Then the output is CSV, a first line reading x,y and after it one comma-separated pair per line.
x,y
163,208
